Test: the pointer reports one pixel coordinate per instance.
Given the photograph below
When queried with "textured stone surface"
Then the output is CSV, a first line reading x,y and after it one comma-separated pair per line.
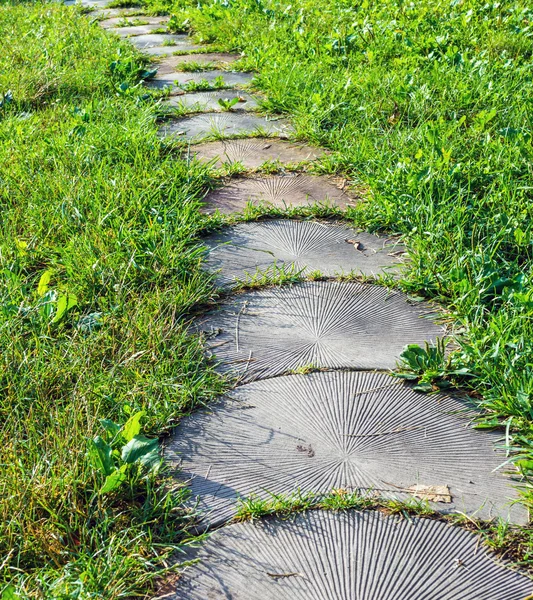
x,y
136,30
117,22
254,152
200,127
333,325
209,101
172,64
157,40
339,430
281,191
347,556
108,13
183,79
333,249
168,50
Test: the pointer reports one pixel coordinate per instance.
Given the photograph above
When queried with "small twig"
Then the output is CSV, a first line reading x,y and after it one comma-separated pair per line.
x,y
243,308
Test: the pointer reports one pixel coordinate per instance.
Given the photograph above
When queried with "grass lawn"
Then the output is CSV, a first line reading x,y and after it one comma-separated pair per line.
x,y
427,106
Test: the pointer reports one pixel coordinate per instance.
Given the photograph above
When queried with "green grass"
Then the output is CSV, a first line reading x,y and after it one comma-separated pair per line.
x,y
425,106
89,199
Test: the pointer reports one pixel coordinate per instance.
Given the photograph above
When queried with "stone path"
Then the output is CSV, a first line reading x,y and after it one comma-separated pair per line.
x,y
348,426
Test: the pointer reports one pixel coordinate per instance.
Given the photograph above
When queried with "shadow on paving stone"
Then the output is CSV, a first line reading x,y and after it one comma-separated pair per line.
x,y
326,324
200,127
183,79
209,101
254,152
333,249
349,555
280,191
173,63
341,430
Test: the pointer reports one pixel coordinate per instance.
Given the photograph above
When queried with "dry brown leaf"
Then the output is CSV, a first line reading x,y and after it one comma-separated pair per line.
x,y
433,493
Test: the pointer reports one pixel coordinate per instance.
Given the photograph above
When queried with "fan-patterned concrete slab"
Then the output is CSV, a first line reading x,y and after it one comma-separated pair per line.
x,y
209,101
184,79
349,555
280,191
341,430
240,251
220,125
136,30
255,152
169,50
331,325
123,21
172,64
156,40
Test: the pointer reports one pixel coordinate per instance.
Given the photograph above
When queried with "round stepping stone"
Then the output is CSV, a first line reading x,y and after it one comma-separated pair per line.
x,y
136,30
253,153
174,63
280,191
324,324
209,101
340,430
183,79
155,40
350,555
226,124
240,251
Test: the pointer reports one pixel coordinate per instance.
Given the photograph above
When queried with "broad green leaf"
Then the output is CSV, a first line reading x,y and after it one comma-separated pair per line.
x,y
111,427
139,447
46,304
9,593
42,287
103,452
132,427
113,481
423,387
64,304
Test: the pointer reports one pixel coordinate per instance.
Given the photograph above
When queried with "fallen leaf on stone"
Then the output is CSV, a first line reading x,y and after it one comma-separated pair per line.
x,y
433,493
356,244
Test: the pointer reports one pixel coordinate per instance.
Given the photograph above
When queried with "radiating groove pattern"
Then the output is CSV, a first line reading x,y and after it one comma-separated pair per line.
x,y
171,64
238,251
135,30
347,556
209,101
152,40
281,191
200,127
334,325
183,79
348,430
254,152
